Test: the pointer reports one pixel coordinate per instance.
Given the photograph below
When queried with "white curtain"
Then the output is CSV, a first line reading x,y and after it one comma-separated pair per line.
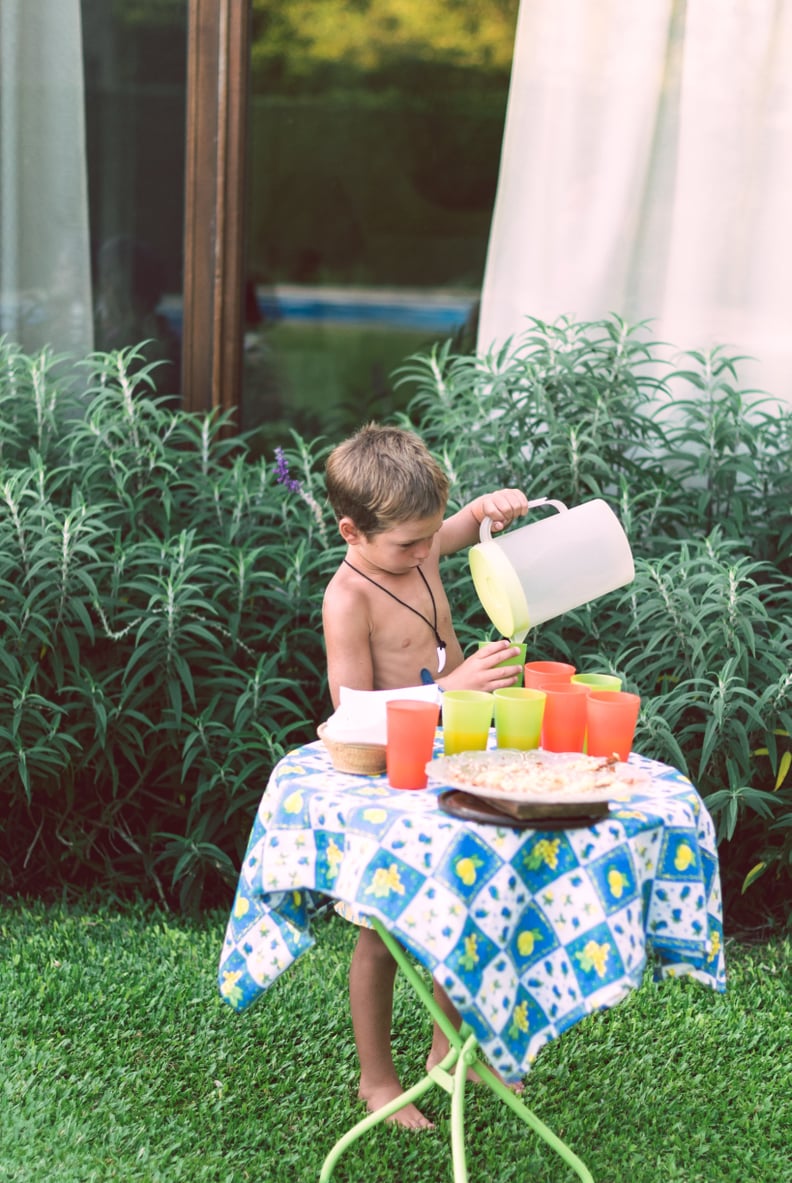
x,y
647,170
45,285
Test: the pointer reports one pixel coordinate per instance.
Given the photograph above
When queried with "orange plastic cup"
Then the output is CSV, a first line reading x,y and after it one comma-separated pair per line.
x,y
542,681
410,740
538,674
565,717
594,682
611,718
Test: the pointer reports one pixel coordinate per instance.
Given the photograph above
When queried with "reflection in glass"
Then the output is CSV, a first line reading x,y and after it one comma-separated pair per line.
x,y
130,281
135,95
374,144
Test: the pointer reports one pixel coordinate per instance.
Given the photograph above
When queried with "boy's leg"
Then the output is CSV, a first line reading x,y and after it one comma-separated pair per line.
x,y
440,1045
371,977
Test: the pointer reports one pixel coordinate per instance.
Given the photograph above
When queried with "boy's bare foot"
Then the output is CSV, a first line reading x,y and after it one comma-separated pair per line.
x,y
409,1116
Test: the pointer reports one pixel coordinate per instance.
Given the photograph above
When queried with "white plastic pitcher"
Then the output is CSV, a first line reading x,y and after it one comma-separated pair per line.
x,y
550,566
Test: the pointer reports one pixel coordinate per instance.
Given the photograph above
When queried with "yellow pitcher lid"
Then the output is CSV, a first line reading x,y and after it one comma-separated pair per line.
x,y
499,589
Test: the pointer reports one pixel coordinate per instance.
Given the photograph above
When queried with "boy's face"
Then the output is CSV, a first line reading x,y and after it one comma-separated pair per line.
x,y
396,550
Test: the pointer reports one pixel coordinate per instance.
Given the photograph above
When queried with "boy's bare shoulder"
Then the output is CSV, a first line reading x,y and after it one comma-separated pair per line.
x,y
345,593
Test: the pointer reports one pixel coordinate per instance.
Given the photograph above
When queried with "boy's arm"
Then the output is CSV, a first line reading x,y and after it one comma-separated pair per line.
x,y
347,644
462,528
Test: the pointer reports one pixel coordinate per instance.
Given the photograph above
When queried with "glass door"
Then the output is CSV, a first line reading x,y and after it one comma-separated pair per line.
x,y
374,143
135,56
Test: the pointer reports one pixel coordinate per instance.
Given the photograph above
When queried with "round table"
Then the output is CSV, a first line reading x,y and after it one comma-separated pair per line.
x,y
527,930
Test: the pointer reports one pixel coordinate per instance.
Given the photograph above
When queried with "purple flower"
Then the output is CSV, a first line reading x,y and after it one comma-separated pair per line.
x,y
283,478
282,472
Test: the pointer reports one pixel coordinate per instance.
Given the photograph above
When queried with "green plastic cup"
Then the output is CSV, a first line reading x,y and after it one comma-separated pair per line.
x,y
467,715
598,681
518,660
518,717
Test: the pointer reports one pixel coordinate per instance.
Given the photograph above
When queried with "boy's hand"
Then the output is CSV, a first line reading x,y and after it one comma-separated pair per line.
x,y
502,506
480,671
462,528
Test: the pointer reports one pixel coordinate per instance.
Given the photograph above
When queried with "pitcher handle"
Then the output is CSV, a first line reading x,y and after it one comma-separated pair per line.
x,y
485,529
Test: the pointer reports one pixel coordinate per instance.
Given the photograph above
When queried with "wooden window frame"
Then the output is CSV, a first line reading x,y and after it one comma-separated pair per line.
x,y
218,57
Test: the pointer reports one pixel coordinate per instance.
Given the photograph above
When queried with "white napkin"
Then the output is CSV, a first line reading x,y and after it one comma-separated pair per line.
x,y
360,716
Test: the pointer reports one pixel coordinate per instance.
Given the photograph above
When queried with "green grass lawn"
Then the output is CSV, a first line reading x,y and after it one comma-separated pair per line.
x,y
119,1061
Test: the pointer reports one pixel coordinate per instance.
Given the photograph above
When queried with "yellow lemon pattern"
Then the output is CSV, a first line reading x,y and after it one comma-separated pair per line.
x,y
526,941
294,802
715,945
684,857
334,857
470,957
519,1023
385,881
617,881
241,907
544,851
229,988
594,956
375,816
466,869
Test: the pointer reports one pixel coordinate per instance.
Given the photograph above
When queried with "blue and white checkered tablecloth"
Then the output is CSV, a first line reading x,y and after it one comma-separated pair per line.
x,y
527,930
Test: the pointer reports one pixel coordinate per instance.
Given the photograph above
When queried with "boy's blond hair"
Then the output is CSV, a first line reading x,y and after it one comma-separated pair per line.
x,y
382,476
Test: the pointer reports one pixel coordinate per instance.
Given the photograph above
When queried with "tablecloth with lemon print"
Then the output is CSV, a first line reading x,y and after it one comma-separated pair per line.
x,y
527,930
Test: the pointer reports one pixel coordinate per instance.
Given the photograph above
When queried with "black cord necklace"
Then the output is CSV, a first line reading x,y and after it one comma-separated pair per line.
x,y
441,645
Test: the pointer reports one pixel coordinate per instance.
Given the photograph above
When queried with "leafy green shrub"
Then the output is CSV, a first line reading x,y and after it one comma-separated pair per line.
x,y
160,594
161,632
700,475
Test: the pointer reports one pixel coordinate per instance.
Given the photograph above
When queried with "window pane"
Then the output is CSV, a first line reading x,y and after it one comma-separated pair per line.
x,y
135,86
375,134
45,289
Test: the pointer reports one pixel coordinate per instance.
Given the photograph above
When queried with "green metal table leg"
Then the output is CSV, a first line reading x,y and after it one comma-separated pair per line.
x,y
435,1077
458,1156
463,1054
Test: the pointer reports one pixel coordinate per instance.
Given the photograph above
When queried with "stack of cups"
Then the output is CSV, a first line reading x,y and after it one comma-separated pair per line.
x,y
556,707
564,719
611,715
585,712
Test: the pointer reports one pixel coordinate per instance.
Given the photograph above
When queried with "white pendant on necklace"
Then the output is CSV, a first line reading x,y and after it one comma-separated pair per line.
x,y
441,655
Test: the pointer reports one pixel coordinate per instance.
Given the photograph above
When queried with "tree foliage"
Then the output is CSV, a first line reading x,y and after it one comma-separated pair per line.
x,y
313,44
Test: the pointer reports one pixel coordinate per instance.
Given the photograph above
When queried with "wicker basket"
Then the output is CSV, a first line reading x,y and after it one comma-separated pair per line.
x,y
363,759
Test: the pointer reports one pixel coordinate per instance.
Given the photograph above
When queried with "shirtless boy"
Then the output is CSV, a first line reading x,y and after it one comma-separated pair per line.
x,y
386,618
